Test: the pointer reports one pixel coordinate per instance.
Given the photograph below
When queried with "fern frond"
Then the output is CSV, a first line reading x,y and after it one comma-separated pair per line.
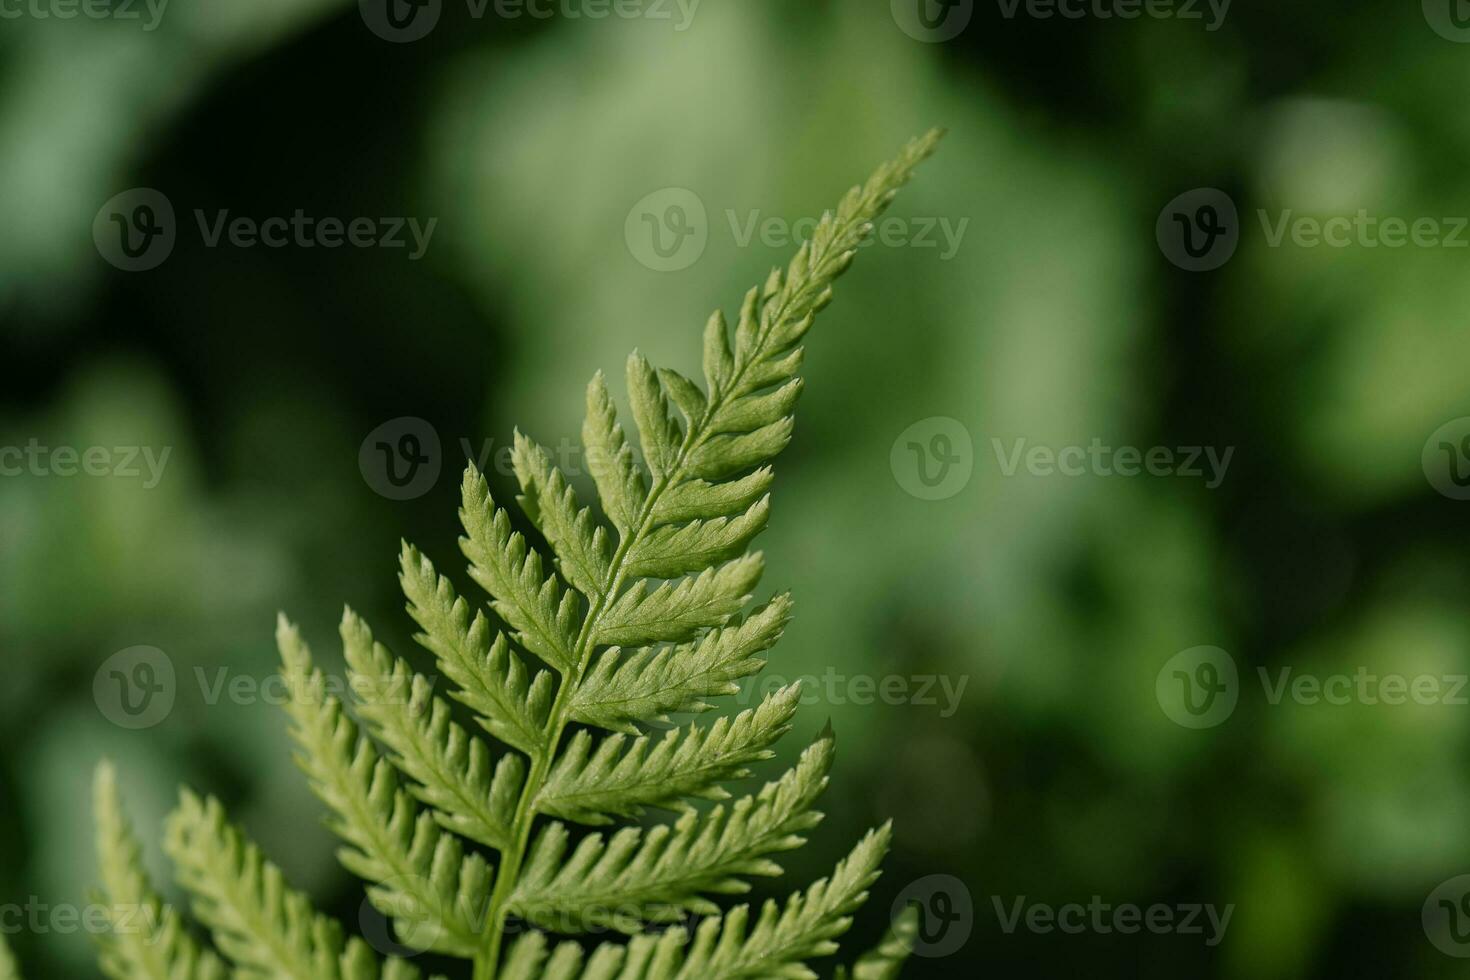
x,y
492,681
145,939
452,768
268,930
723,948
672,551
620,483
420,876
622,776
577,539
542,613
660,873
884,961
624,686
637,610
677,611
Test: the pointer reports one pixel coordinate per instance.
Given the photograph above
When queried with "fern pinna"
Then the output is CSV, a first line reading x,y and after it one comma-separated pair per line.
x,y
468,844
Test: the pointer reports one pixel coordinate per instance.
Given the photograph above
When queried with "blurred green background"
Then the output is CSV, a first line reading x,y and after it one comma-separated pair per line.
x,y
1055,600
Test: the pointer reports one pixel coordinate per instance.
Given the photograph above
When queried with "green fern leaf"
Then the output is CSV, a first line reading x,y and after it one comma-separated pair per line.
x,y
145,939
623,776
619,481
268,930
421,877
535,605
884,961
510,704
677,611
452,768
659,873
580,543
636,618
647,684
723,948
